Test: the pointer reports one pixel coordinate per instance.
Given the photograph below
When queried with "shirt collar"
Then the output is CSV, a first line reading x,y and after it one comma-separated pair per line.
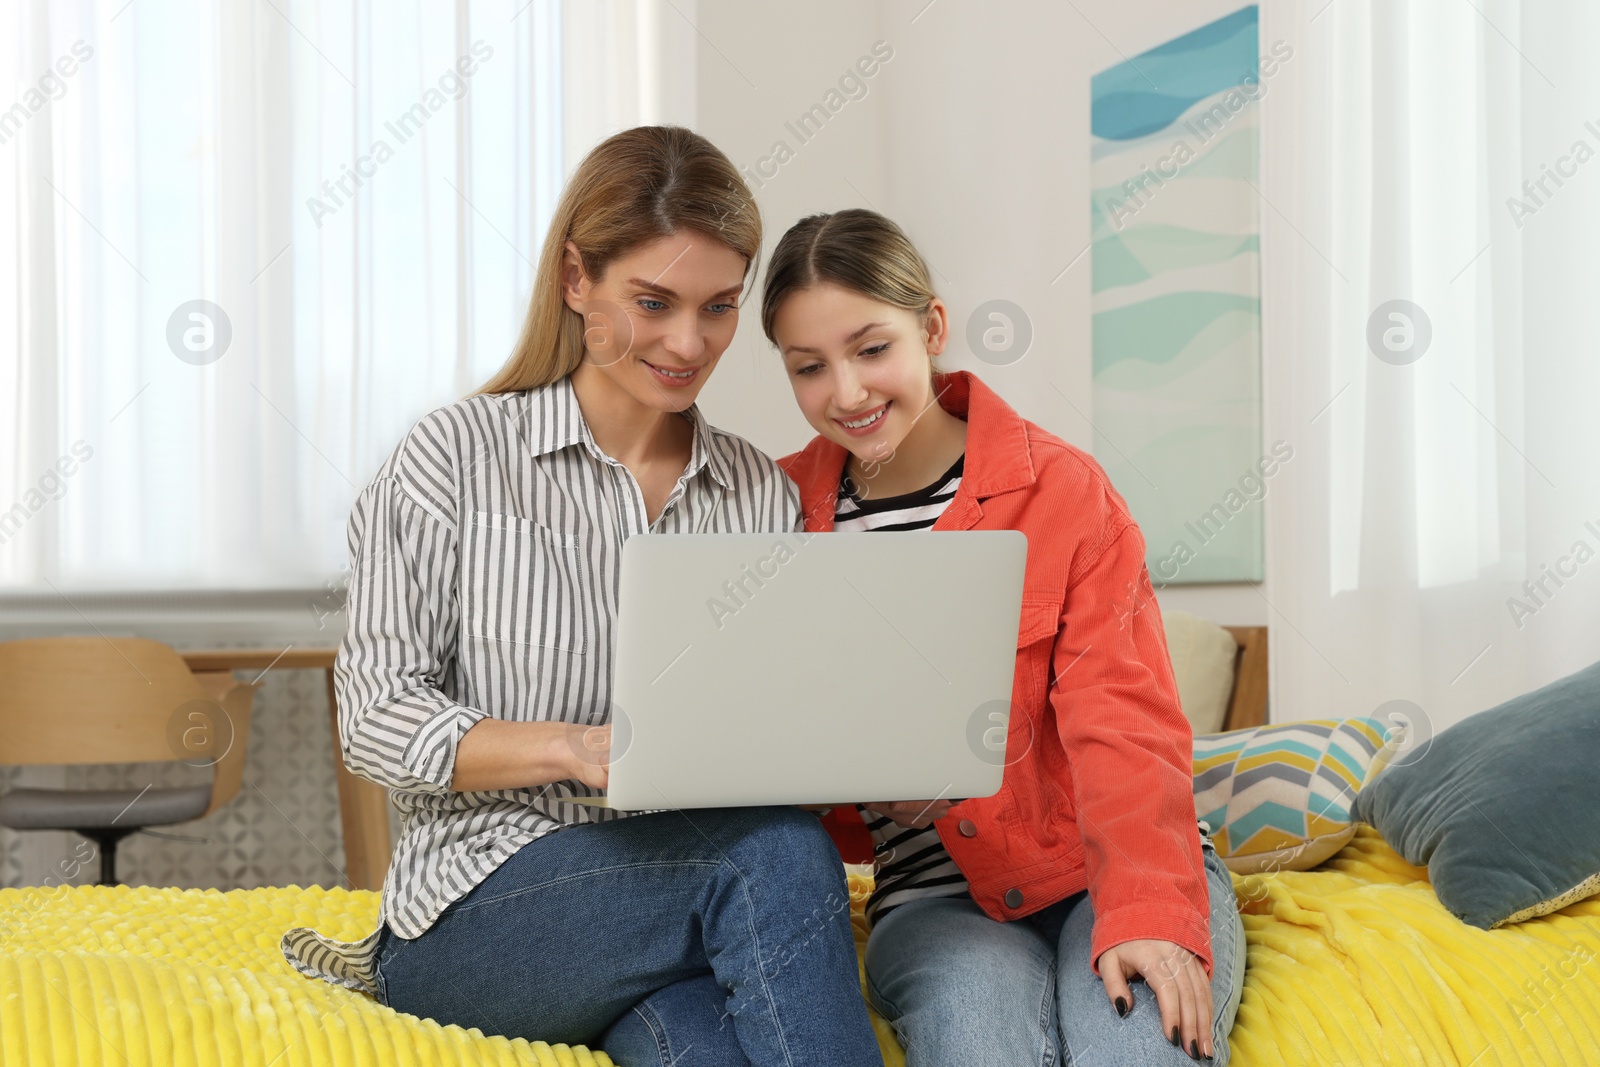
x,y
557,422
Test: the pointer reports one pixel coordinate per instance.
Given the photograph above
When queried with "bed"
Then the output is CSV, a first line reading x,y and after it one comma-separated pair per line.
x,y
1355,962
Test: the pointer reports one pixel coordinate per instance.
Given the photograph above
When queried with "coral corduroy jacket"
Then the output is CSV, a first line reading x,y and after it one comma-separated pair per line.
x,y
1103,797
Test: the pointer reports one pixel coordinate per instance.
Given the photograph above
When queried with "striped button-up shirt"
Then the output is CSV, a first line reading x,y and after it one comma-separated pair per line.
x,y
485,562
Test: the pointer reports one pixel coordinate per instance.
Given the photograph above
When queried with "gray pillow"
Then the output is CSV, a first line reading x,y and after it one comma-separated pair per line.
x,y
1503,808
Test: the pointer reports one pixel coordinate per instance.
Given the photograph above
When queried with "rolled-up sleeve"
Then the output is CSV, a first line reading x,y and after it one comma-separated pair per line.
x,y
396,727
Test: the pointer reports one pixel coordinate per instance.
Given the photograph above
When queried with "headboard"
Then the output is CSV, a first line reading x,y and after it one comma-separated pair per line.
x,y
1248,705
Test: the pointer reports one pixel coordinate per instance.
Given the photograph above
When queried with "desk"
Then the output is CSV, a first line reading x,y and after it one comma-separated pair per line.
x,y
363,805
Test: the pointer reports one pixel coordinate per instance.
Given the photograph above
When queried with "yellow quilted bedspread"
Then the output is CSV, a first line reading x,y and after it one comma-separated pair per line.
x,y
1352,965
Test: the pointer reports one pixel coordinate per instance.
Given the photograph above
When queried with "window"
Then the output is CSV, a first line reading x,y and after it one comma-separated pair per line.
x,y
252,245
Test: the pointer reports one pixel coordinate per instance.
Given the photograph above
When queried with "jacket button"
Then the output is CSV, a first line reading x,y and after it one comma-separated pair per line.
x,y
1013,898
967,829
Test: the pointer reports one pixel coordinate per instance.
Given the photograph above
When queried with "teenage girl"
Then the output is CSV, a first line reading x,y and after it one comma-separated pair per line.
x,y
1081,914
474,679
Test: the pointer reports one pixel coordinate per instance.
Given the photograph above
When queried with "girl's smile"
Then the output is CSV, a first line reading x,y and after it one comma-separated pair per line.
x,y
866,424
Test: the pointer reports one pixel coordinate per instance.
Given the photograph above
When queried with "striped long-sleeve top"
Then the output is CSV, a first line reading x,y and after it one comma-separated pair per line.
x,y
484,571
910,863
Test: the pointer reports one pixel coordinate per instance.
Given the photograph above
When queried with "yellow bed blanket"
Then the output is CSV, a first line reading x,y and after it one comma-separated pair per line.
x,y
1354,964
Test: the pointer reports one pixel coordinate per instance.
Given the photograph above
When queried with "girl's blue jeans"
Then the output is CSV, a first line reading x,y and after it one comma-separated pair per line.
x,y
962,989
708,937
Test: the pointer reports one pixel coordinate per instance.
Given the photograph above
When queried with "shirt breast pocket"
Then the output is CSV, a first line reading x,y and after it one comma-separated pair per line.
x,y
520,584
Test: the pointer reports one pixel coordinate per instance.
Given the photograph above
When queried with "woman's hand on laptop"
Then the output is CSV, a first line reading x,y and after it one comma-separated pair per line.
x,y
589,748
497,754
914,814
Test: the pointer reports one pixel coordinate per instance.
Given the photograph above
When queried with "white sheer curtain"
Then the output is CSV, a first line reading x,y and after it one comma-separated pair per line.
x,y
1432,480
360,188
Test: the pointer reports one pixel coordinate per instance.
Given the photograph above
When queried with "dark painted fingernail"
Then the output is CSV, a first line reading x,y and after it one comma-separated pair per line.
x,y
1175,1037
1194,1049
1122,1007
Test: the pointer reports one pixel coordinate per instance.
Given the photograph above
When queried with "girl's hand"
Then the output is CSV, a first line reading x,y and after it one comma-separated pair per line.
x,y
912,813
1179,980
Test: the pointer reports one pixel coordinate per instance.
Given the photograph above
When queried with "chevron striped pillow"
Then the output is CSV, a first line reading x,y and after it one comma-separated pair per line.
x,y
1278,798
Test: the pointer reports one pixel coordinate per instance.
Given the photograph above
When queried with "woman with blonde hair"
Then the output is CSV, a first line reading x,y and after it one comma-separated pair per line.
x,y
474,679
1014,928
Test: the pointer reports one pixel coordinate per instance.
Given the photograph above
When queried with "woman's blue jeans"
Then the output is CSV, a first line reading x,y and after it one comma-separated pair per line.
x,y
962,989
709,937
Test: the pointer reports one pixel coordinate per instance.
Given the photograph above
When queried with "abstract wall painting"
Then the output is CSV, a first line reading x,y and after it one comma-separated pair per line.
x,y
1177,297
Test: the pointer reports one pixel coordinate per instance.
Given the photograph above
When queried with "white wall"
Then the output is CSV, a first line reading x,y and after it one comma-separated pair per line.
x,y
770,64
974,136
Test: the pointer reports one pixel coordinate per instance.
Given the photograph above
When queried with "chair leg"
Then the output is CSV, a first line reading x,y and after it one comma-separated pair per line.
x,y
105,839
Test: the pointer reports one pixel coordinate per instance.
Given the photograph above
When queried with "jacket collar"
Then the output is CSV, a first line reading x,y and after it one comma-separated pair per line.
x,y
998,459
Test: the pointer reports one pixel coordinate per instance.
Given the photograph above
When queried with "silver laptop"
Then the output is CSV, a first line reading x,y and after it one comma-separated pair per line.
x,y
813,668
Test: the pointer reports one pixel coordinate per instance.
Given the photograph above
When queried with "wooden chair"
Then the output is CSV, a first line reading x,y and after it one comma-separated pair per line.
x,y
69,700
